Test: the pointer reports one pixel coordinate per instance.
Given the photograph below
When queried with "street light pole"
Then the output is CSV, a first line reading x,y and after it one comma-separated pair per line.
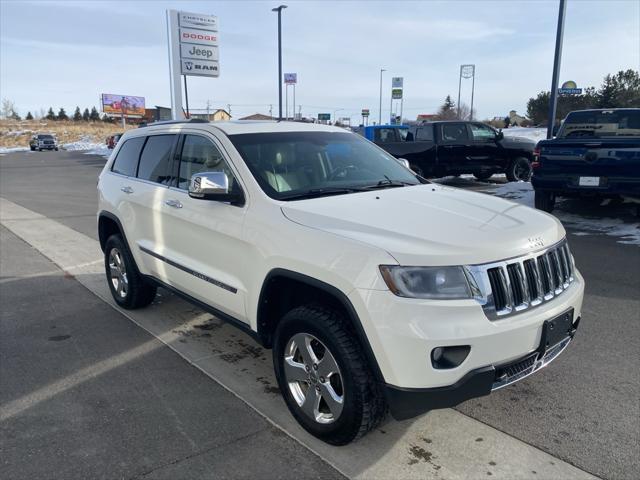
x,y
380,109
279,10
553,98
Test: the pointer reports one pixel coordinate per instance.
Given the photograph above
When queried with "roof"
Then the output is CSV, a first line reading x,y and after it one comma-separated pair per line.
x,y
234,127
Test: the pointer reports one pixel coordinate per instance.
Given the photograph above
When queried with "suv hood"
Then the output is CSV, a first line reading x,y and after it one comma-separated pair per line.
x,y
430,224
519,142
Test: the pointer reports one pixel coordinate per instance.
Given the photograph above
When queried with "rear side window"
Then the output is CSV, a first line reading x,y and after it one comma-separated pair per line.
x,y
385,135
424,134
454,132
155,163
127,160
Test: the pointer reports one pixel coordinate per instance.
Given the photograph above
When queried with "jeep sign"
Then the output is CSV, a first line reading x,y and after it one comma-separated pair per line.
x,y
199,52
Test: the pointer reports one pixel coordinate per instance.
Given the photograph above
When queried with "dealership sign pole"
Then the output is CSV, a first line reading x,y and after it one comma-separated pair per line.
x,y
193,50
290,79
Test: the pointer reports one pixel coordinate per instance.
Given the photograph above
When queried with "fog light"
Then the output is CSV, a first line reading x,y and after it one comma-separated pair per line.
x,y
443,358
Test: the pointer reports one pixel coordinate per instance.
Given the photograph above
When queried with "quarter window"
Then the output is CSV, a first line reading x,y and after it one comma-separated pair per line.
x,y
155,160
199,154
385,135
126,162
424,134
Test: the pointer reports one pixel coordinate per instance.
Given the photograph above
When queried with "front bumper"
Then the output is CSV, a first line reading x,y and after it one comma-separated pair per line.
x,y
409,403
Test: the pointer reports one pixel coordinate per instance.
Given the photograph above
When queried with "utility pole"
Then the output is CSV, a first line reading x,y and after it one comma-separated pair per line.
x,y
553,98
271,110
459,87
380,109
279,10
208,108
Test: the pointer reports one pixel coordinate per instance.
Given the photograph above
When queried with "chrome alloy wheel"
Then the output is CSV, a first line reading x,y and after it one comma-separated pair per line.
x,y
118,273
314,378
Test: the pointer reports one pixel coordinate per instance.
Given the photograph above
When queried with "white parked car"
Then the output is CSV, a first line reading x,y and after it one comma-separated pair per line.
x,y
377,290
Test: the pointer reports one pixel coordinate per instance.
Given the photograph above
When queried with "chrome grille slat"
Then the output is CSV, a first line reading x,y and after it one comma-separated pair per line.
x,y
511,286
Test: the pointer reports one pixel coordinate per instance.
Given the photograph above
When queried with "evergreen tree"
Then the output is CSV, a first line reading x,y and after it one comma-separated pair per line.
x,y
107,119
94,116
507,121
85,115
447,110
62,115
51,115
620,90
77,116
29,116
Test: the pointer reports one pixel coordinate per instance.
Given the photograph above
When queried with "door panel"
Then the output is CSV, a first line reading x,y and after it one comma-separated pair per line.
x,y
202,248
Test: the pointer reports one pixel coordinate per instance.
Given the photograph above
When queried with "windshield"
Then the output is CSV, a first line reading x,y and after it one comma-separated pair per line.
x,y
288,165
601,123
45,137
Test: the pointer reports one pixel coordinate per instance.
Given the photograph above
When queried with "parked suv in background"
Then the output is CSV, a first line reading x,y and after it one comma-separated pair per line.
x,y
376,289
43,141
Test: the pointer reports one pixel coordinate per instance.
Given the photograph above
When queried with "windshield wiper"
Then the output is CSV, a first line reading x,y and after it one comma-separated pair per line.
x,y
388,183
319,192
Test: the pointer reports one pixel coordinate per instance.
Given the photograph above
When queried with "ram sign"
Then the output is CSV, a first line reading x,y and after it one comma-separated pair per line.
x,y
122,105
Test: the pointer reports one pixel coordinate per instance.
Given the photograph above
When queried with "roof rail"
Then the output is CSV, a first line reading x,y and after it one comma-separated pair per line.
x,y
169,122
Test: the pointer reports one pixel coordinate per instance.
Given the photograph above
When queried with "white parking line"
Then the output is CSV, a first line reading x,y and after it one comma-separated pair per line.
x,y
441,444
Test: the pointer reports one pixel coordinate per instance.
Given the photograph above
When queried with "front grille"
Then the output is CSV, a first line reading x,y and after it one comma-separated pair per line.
x,y
521,366
514,285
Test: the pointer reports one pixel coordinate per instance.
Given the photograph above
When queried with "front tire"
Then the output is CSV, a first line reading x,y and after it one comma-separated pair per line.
x,y
544,200
519,170
324,376
127,286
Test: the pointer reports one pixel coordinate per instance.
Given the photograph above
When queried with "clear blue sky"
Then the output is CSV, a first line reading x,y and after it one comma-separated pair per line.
x,y
56,53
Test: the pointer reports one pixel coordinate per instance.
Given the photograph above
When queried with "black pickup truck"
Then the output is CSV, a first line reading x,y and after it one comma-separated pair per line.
x,y
438,149
596,154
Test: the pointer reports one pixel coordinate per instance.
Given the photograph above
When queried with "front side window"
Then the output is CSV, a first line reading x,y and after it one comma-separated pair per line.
x,y
198,155
482,133
126,162
155,164
292,163
454,132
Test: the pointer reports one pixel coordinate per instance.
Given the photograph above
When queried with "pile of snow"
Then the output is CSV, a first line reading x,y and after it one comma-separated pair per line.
x,y
5,150
88,146
532,133
522,192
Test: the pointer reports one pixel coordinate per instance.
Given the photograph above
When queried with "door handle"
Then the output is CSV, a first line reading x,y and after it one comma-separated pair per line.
x,y
127,189
173,203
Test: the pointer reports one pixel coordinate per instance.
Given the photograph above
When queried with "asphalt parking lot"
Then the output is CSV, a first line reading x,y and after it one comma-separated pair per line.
x,y
156,414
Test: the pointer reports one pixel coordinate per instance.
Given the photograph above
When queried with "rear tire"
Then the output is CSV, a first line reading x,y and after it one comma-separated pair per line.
x,y
483,176
544,200
128,288
358,404
519,170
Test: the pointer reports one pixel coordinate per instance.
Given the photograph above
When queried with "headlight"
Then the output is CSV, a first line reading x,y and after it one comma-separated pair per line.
x,y
427,282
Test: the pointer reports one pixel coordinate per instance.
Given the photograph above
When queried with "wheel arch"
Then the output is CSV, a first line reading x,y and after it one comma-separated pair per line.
x,y
109,224
284,289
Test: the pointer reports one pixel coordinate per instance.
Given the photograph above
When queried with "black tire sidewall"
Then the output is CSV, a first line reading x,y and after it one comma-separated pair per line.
x,y
115,241
344,429
511,172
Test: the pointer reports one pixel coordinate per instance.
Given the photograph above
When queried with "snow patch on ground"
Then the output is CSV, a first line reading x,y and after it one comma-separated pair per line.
x,y
532,133
5,150
88,146
522,192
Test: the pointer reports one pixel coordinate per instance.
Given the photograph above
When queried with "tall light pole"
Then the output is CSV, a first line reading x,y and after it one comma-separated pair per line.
x,y
553,98
279,10
380,110
334,113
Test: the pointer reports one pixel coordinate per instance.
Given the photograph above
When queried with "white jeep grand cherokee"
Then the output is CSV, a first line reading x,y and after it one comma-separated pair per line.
x,y
376,289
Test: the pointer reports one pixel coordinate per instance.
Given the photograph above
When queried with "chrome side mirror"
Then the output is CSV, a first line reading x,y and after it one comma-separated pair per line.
x,y
404,162
208,184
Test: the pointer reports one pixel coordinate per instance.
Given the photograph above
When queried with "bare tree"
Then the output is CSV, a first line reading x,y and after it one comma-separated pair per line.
x,y
464,111
8,108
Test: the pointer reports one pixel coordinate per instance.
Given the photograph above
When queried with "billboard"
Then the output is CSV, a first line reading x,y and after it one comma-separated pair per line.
x,y
396,93
126,105
396,82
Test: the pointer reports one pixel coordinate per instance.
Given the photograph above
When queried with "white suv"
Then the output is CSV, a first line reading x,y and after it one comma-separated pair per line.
x,y
376,289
